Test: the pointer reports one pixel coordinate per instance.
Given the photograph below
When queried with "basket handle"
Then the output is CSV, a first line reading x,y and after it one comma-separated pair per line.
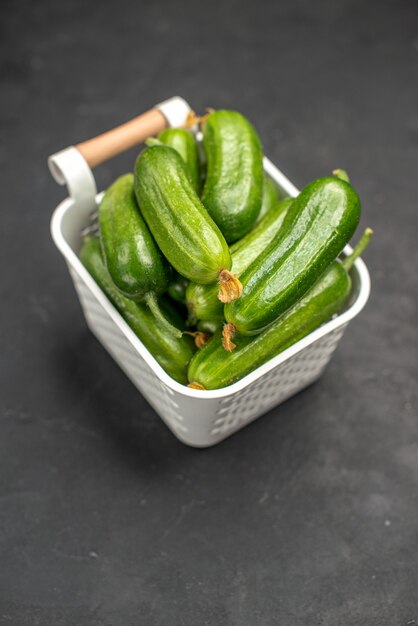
x,y
73,165
109,144
172,112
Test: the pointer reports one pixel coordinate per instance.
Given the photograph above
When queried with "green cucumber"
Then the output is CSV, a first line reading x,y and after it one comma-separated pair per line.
x,y
205,331
171,352
184,142
317,226
234,175
131,255
177,288
212,367
201,300
183,229
269,198
210,327
247,249
176,294
173,311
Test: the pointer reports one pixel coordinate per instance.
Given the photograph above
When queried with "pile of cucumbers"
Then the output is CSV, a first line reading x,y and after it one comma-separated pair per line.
x,y
213,271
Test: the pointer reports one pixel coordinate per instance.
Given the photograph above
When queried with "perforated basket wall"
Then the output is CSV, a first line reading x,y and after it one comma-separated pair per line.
x,y
202,418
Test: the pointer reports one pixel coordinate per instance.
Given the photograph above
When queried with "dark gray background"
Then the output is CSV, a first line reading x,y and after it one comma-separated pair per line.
x,y
310,515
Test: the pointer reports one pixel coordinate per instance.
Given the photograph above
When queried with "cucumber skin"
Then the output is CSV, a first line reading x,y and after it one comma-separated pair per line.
x,y
247,249
211,327
176,296
184,142
180,224
234,174
177,288
172,354
319,223
214,368
269,198
131,255
202,300
173,311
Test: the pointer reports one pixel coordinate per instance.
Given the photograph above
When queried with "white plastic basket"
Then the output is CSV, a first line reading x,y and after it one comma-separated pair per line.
x,y
197,418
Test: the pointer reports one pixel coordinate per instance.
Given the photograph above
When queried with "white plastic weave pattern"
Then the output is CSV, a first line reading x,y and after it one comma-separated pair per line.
x,y
202,418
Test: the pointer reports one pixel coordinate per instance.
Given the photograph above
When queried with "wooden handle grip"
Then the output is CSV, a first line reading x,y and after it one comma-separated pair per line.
x,y
121,138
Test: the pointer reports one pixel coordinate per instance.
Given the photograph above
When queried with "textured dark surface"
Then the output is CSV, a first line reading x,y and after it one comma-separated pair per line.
x,y
310,515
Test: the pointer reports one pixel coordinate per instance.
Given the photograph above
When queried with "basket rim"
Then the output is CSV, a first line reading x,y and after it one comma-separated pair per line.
x,y
74,262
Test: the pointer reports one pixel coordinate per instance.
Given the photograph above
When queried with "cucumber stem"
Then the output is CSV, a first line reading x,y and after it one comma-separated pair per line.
x,y
200,338
197,120
349,260
195,385
191,120
231,288
152,302
342,174
228,333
